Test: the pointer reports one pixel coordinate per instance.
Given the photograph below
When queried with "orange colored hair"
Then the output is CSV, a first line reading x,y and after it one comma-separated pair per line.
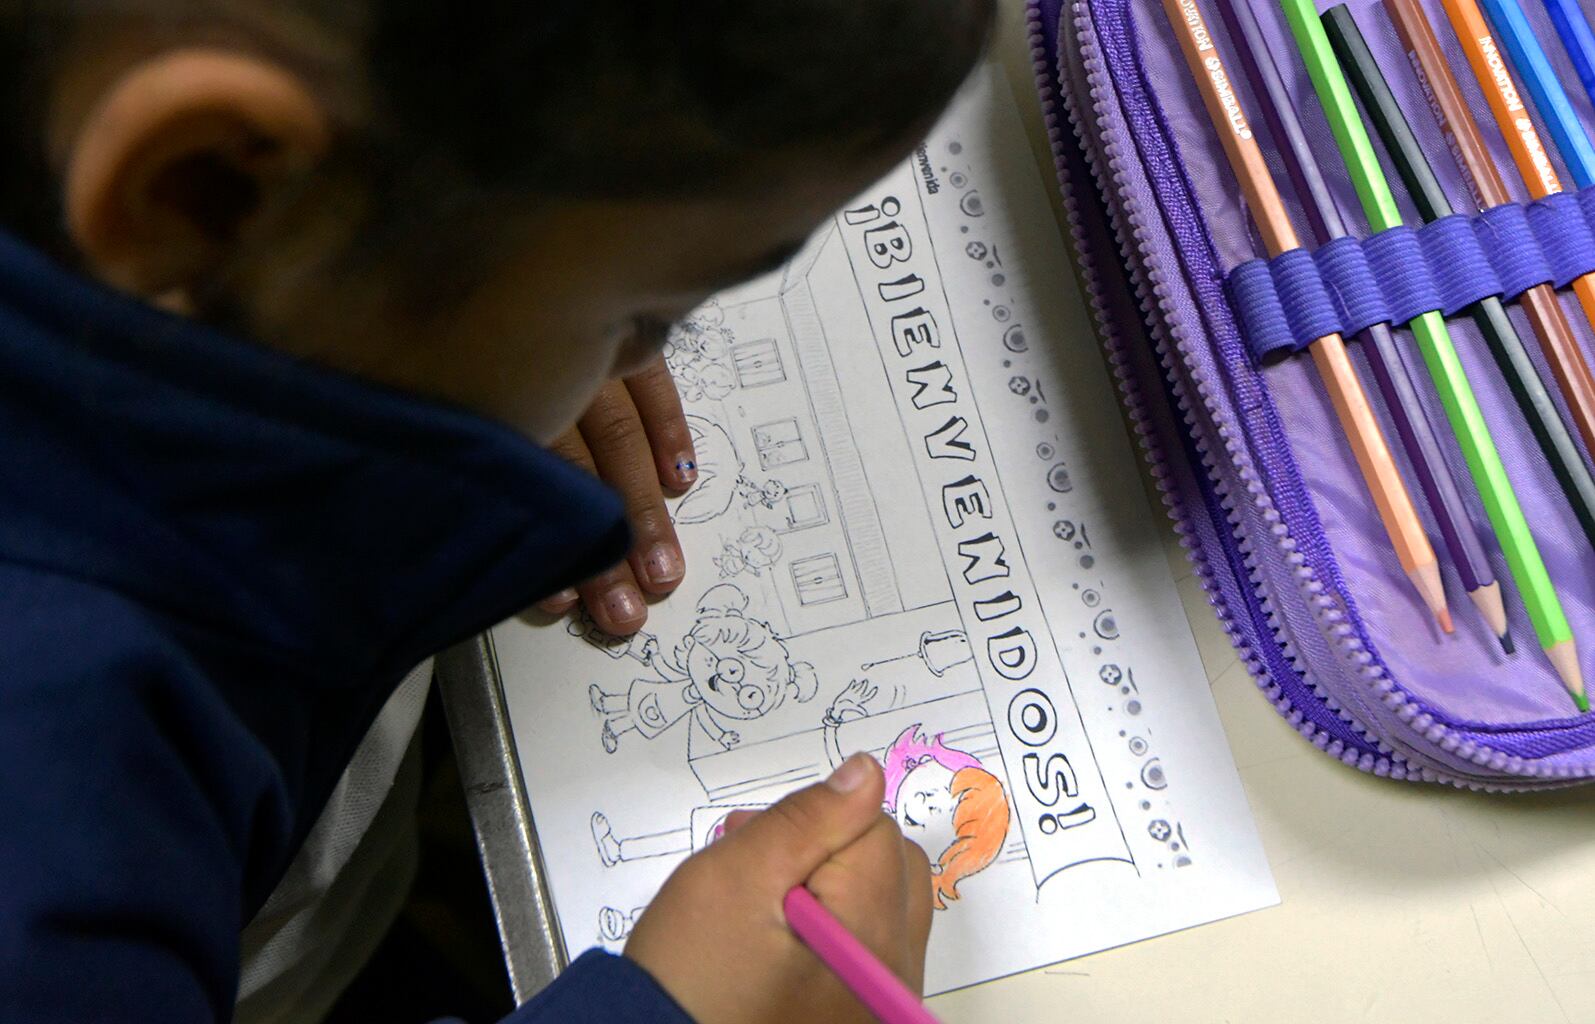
x,y
980,825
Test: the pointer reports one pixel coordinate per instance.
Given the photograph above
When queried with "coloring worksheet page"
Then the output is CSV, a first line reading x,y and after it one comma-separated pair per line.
x,y
918,531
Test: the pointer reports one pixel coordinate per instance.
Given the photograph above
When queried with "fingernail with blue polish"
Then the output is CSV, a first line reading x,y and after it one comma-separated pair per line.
x,y
687,471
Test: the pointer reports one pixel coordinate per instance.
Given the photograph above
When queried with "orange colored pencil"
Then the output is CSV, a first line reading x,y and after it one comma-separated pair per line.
x,y
1567,362
1356,416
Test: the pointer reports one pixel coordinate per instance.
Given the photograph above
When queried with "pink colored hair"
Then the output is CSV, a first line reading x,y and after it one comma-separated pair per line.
x,y
912,749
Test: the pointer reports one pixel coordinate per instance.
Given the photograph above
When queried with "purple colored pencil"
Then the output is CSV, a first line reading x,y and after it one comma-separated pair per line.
x,y
1389,368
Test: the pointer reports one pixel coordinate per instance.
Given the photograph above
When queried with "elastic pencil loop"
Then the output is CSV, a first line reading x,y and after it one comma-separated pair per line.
x,y
1305,295
1352,283
1515,248
1401,267
1586,204
1255,298
1459,260
1561,225
1287,303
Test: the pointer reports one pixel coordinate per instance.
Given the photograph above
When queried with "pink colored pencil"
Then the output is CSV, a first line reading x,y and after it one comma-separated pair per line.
x,y
882,992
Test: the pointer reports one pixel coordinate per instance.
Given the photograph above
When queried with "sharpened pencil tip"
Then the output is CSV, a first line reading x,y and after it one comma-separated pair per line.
x,y
1487,598
1507,645
1446,625
1564,658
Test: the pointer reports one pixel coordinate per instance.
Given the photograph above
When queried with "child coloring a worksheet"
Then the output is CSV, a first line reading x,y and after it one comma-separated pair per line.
x,y
331,334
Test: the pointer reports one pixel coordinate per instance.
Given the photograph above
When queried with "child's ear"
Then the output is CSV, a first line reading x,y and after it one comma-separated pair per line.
x,y
177,158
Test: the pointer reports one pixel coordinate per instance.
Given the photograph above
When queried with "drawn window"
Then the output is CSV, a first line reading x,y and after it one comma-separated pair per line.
x,y
819,580
758,363
805,509
779,444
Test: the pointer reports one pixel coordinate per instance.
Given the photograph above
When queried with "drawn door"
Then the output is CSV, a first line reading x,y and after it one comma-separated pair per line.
x,y
805,509
758,363
779,444
819,580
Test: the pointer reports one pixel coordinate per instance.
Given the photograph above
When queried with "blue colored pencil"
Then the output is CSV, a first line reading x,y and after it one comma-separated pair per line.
x,y
1577,39
1550,99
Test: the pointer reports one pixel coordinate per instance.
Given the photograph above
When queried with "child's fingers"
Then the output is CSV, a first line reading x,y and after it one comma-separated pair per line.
x,y
785,844
614,433
560,603
615,601
736,819
876,887
920,908
659,406
612,598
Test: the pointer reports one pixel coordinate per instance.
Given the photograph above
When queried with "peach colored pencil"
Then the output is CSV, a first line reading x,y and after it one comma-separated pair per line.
x,y
1356,417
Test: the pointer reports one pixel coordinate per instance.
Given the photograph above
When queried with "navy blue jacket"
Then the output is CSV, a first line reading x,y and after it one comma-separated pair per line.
x,y
215,565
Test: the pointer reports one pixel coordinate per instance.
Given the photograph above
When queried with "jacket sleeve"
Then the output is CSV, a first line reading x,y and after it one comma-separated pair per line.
x,y
601,988
130,798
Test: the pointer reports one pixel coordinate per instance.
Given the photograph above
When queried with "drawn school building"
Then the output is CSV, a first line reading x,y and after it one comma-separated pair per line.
x,y
804,377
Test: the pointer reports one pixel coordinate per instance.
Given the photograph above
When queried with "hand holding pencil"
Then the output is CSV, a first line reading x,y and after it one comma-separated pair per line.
x,y
718,939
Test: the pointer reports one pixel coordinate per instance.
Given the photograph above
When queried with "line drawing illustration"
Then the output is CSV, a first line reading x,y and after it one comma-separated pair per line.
x,y
944,798
756,549
950,804
815,548
730,667
917,532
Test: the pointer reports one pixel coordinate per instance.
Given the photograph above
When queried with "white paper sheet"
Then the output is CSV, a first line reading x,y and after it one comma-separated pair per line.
x,y
918,531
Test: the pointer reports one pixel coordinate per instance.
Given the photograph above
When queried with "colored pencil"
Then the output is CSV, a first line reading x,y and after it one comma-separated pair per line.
x,y
1506,103
1382,110
1572,140
1544,309
1439,354
882,992
1356,416
1577,39
1533,68
1379,346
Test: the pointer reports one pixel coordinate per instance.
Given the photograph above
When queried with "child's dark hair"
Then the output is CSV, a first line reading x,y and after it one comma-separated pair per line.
x,y
666,96
613,98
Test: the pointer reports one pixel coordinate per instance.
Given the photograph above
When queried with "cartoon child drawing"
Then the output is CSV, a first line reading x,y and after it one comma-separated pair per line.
x,y
756,495
728,667
697,352
757,549
944,800
643,647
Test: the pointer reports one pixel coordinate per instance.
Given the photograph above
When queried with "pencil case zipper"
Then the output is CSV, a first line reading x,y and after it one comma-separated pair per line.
x,y
1225,470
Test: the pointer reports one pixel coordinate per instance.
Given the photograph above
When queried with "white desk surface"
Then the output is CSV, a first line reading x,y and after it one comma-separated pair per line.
x,y
1402,903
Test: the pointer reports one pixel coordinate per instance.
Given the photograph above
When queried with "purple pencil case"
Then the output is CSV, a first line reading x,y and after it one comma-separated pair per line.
x,y
1261,486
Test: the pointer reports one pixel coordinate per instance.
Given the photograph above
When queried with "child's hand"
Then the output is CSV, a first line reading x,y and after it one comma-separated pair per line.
x,y
852,703
635,437
717,939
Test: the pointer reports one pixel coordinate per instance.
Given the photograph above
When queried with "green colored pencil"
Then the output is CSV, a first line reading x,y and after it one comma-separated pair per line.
x,y
1440,356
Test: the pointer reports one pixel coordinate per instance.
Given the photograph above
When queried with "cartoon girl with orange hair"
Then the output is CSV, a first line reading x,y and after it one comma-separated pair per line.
x,y
944,800
941,798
